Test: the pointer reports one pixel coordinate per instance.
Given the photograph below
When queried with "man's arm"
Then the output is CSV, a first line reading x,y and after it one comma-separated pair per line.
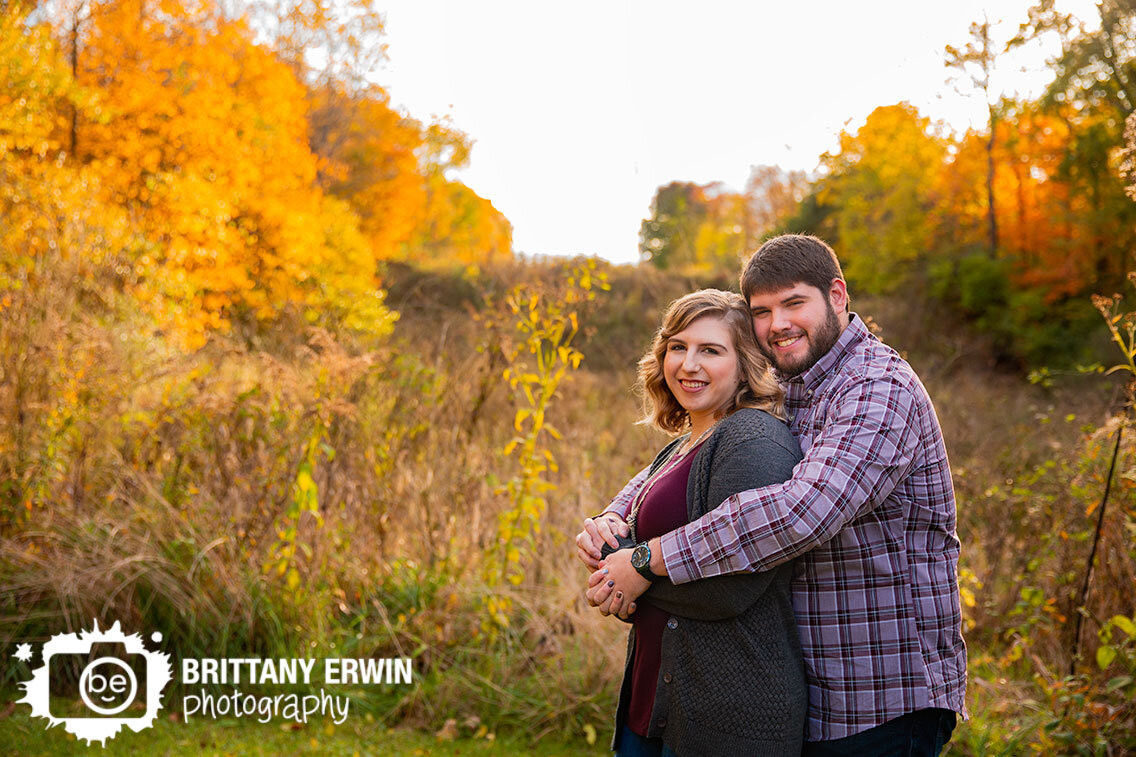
x,y
867,445
604,527
751,464
621,503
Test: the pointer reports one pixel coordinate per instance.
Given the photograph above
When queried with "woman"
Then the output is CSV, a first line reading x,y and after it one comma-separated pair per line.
x,y
713,666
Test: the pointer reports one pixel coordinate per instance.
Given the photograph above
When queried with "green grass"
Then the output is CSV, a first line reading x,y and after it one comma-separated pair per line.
x,y
22,735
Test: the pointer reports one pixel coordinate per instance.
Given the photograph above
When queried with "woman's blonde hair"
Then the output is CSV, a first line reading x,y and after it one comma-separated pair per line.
x,y
758,388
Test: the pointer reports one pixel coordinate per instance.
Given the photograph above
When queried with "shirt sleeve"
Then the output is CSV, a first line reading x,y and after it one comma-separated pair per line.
x,y
868,443
621,505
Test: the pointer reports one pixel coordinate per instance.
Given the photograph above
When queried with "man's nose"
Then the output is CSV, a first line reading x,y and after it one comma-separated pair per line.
x,y
779,321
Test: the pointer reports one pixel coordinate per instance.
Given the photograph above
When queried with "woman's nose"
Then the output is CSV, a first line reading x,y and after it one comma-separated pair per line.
x,y
690,362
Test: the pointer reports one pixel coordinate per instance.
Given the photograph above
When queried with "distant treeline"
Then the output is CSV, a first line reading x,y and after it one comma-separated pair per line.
x,y
1013,225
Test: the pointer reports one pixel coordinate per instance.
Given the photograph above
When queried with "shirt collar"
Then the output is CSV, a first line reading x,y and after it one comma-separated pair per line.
x,y
854,333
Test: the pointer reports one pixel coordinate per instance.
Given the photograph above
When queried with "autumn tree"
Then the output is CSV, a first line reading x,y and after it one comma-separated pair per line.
x,y
704,227
327,43
880,186
369,157
1093,91
772,195
977,60
1096,68
200,134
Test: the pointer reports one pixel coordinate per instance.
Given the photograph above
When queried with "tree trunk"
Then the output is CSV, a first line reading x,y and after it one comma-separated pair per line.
x,y
992,220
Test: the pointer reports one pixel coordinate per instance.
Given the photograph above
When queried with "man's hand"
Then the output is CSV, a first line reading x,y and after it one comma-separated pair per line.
x,y
597,531
616,585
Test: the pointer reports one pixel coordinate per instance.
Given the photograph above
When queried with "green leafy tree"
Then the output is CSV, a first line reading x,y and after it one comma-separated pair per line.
x,y
668,237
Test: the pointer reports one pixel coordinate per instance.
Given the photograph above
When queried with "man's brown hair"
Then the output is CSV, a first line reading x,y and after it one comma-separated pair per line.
x,y
787,260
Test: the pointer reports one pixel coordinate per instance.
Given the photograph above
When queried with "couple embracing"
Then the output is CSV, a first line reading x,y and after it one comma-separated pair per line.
x,y
789,564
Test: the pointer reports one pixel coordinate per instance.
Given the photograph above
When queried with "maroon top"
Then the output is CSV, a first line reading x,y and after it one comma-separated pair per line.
x,y
663,510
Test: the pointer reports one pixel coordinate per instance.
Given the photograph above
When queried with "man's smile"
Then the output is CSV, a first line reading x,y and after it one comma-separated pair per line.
x,y
785,343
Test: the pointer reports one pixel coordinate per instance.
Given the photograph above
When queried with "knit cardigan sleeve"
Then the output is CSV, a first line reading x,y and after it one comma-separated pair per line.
x,y
751,449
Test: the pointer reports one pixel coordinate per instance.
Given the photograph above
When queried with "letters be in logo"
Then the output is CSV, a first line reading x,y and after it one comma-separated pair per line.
x,y
108,684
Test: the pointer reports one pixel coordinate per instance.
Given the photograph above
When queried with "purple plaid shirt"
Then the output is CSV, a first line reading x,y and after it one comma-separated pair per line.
x,y
870,512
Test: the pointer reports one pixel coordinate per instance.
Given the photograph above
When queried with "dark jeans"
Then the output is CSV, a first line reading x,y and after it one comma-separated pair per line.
x,y
922,733
632,744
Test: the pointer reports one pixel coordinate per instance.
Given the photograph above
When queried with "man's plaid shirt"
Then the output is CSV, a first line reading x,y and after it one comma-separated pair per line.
x,y
870,512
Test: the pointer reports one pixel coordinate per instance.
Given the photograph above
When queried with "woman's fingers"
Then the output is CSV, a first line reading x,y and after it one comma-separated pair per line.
x,y
595,578
599,594
616,604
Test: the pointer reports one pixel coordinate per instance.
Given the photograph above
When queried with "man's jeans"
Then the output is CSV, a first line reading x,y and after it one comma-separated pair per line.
x,y
922,733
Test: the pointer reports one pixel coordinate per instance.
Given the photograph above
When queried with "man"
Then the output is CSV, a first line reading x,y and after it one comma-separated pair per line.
x,y
870,512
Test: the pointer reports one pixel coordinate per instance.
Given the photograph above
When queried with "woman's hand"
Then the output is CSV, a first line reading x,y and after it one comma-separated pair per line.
x,y
597,531
616,585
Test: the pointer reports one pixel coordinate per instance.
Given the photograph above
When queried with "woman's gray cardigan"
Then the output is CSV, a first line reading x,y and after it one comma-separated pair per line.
x,y
731,679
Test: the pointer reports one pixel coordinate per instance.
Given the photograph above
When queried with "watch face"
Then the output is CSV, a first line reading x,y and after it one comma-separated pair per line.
x,y
641,557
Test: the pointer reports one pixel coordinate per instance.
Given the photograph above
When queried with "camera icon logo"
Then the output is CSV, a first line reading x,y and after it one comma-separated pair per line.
x,y
117,671
105,687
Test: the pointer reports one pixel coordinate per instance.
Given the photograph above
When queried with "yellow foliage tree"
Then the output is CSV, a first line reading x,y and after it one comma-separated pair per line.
x,y
201,135
881,185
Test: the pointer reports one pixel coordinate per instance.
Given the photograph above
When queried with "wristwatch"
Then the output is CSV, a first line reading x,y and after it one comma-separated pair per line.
x,y
641,561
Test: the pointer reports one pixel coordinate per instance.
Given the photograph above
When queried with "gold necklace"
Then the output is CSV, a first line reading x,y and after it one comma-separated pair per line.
x,y
663,470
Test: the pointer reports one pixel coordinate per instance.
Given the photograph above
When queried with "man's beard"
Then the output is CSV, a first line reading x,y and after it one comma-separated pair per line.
x,y
819,344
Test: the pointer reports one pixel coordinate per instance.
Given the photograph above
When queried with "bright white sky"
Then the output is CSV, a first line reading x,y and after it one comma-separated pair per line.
x,y
579,111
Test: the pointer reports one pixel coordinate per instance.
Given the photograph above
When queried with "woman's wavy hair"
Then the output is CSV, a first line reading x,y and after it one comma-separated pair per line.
x,y
758,388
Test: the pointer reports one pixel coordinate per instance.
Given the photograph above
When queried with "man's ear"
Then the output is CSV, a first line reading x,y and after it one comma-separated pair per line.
x,y
838,295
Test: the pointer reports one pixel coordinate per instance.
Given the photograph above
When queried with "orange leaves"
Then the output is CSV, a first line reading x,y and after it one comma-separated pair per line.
x,y
392,172
239,179
202,137
367,157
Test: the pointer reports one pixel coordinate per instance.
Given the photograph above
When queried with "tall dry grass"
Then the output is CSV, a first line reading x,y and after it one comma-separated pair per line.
x,y
162,489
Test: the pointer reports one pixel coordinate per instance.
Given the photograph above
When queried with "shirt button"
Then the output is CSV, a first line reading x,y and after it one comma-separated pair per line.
x,y
672,624
662,722
667,678
792,418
